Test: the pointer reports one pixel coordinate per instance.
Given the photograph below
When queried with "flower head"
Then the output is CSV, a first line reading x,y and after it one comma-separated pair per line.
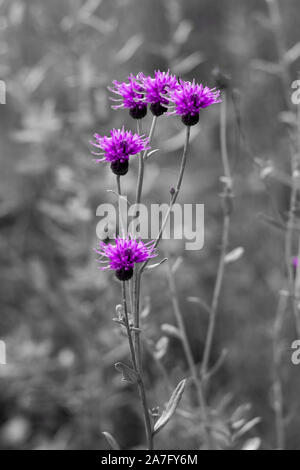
x,y
119,147
190,98
124,254
131,96
156,90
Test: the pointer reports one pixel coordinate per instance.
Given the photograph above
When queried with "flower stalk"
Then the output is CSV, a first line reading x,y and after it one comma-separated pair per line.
x,y
227,209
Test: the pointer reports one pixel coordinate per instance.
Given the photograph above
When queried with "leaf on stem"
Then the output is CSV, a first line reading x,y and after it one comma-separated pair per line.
x,y
128,374
170,408
234,255
199,301
112,442
247,427
171,330
153,266
292,54
151,153
161,347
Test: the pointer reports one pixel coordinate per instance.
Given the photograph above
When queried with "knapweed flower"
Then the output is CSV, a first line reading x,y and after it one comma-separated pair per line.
x,y
130,96
124,254
190,98
118,148
156,90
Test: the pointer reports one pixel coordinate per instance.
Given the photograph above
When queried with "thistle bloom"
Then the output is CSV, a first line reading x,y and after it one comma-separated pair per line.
x,y
130,96
190,98
156,90
124,254
117,148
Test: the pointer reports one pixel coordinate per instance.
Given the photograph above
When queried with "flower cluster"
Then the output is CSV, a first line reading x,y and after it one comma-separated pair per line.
x,y
162,92
124,254
117,148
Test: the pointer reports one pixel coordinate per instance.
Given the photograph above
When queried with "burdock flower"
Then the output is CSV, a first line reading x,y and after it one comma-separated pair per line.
x,y
118,147
156,90
124,254
190,98
130,96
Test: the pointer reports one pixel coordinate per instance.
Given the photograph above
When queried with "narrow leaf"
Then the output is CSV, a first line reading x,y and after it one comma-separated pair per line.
x,y
199,301
153,266
128,374
111,441
170,330
293,54
252,444
247,427
170,408
234,255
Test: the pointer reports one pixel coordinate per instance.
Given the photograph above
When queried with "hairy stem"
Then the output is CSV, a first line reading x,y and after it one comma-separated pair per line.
x,y
141,386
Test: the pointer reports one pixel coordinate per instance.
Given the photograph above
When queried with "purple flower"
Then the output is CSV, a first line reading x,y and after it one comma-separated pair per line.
x,y
156,90
124,254
118,147
130,96
190,98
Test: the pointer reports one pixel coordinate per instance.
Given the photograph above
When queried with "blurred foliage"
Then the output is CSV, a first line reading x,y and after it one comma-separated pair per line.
x,y
59,389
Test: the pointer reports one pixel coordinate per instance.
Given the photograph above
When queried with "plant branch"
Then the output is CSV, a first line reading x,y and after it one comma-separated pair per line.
x,y
188,354
141,386
227,208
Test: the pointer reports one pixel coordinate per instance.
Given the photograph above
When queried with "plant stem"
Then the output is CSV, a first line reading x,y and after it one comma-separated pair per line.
x,y
135,298
175,194
127,325
189,355
141,386
285,76
136,278
277,383
227,197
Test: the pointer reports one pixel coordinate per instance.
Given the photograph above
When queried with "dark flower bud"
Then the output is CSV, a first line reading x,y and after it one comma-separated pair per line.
x,y
124,274
190,120
119,168
138,112
157,109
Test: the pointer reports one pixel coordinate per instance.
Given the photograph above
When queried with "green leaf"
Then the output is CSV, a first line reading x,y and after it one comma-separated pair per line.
x,y
128,374
170,408
112,442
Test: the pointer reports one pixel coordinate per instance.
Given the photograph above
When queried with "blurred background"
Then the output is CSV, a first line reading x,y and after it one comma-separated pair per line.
x,y
59,389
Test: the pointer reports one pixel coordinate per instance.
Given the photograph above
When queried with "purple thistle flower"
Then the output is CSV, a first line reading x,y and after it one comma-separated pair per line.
x,y
124,254
119,147
131,96
190,98
156,90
